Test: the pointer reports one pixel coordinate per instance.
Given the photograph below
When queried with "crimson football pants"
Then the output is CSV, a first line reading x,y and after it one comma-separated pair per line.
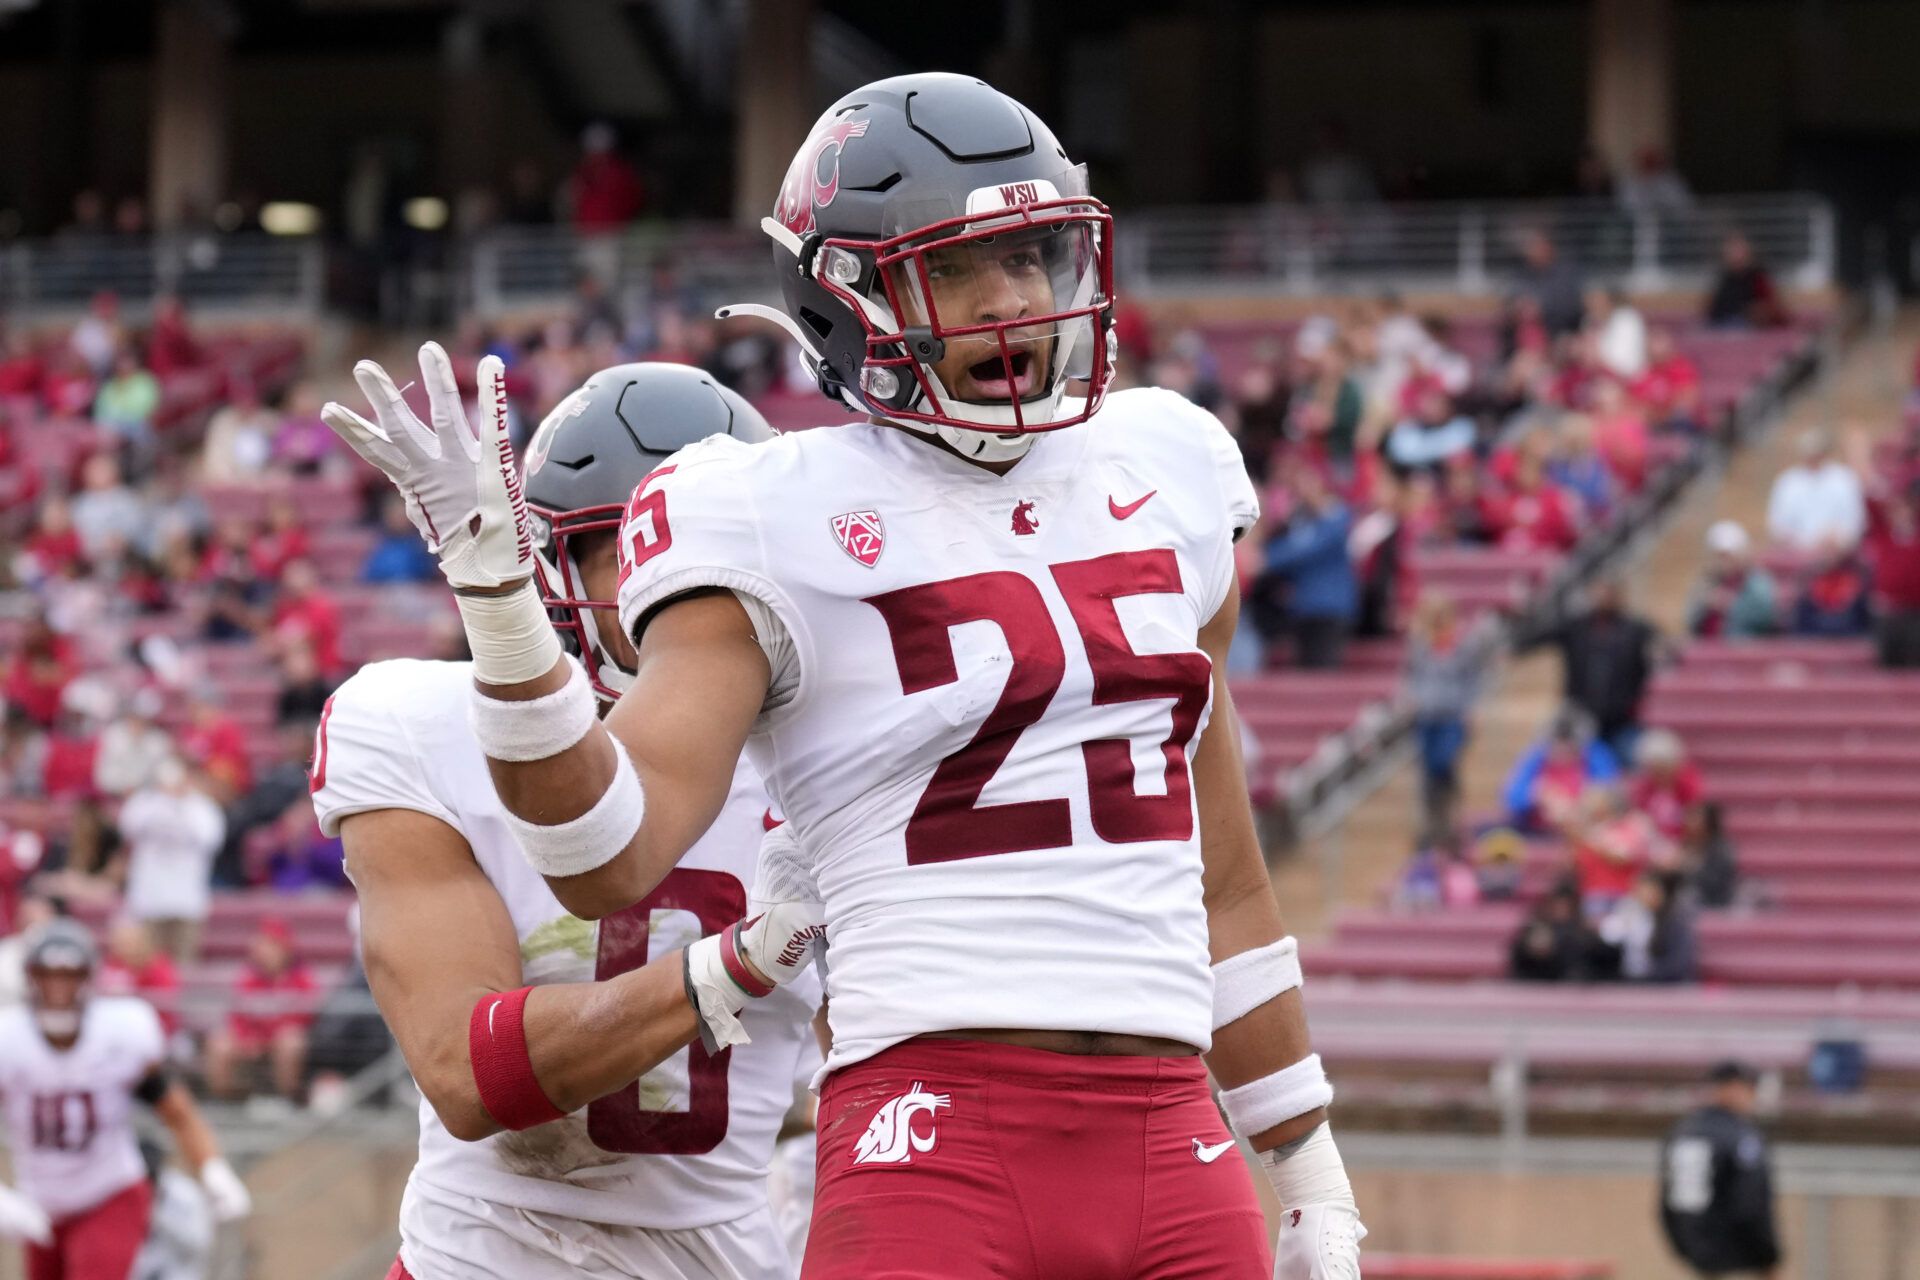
x,y
970,1160
98,1243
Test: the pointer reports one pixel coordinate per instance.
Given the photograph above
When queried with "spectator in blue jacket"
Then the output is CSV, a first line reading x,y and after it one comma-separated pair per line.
x,y
401,555
1308,589
1555,772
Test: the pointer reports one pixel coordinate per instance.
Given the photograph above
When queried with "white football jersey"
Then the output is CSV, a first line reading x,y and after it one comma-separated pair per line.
x,y
688,1144
982,736
70,1113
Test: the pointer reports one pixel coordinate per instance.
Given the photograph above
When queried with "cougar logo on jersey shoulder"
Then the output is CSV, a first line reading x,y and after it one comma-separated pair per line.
x,y
891,1138
1024,521
861,535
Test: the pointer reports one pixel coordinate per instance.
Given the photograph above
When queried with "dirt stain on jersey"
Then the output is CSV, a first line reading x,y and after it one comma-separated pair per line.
x,y
552,1151
560,934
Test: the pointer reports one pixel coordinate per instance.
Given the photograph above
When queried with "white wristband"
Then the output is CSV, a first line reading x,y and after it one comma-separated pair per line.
x,y
511,636
591,840
1274,1099
537,727
1244,982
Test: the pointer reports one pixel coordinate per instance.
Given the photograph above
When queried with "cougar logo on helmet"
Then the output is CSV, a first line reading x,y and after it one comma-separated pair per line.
x,y
804,191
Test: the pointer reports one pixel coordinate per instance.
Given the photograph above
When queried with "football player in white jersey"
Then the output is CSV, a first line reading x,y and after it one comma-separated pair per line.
x,y
977,646
567,1129
71,1068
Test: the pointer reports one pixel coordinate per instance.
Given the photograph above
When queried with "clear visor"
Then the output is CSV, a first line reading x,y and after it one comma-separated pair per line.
x,y
1012,309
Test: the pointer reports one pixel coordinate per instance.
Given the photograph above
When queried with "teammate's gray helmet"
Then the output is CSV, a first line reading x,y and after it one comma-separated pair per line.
x,y
586,459
945,164
62,944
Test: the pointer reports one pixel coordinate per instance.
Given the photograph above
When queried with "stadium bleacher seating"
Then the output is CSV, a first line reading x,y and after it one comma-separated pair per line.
x,y
1293,714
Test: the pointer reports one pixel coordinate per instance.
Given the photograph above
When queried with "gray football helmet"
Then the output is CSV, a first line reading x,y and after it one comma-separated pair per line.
x,y
584,463
942,265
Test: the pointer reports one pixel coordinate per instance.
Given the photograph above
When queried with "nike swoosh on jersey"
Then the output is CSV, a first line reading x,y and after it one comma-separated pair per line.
x,y
1121,513
1207,1155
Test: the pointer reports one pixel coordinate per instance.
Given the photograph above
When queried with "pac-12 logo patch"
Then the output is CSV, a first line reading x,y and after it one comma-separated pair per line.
x,y
861,535
893,1136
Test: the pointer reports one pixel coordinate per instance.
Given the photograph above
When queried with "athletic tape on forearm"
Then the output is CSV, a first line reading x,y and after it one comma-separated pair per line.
x,y
537,727
1274,1099
511,636
591,840
1244,982
502,1069
1312,1173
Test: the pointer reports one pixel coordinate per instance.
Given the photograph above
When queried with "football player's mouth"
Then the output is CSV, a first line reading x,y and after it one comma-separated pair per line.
x,y
989,376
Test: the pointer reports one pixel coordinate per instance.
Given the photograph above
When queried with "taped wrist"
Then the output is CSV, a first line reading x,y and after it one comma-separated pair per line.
x,y
1273,1099
1244,982
502,1069
511,636
591,840
719,984
535,728
1312,1173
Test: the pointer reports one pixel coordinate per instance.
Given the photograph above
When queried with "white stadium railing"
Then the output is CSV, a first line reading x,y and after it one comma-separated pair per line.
x,y
1274,249
254,272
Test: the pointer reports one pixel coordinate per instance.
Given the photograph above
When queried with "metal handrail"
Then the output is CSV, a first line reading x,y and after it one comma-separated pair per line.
x,y
251,271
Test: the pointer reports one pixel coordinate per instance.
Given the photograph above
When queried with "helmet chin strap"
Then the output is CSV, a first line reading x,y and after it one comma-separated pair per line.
x,y
58,1023
978,445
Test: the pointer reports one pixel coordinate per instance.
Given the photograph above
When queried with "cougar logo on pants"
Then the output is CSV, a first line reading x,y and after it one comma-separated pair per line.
x,y
891,1137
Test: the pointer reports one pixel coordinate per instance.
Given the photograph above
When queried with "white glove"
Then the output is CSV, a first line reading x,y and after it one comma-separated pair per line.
x,y
22,1219
227,1195
1320,1229
786,933
462,487
1319,1242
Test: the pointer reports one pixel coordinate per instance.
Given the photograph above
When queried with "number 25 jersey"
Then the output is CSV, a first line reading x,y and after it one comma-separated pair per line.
x,y
983,732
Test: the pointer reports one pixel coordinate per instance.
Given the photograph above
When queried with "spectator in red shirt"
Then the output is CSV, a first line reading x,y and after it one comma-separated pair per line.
x,y
1620,433
1528,513
282,542
170,345
307,613
74,745
54,543
1665,785
21,367
1892,548
1670,388
606,188
1612,844
39,672
135,967
273,1004
214,743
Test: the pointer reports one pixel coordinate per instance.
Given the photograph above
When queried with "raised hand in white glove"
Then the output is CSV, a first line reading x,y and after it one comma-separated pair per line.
x,y
462,486
22,1219
1319,1242
770,948
226,1194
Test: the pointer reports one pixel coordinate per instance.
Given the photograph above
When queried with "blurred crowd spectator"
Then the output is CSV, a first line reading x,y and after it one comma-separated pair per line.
x,y
1842,552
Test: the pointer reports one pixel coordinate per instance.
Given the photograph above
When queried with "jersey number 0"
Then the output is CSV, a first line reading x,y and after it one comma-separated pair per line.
x,y
618,1122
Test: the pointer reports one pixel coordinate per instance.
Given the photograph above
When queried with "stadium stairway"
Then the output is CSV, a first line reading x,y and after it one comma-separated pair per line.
x,y
1810,748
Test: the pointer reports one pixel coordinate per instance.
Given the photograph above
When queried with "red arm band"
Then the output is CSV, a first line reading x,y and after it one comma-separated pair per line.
x,y
502,1070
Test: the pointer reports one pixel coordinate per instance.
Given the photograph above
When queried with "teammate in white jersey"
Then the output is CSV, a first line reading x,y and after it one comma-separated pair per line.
x,y
71,1068
977,647
628,1153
